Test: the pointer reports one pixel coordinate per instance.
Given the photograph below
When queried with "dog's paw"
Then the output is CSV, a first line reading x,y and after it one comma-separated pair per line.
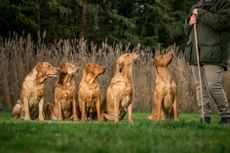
x,y
152,118
76,119
130,121
176,119
26,118
41,119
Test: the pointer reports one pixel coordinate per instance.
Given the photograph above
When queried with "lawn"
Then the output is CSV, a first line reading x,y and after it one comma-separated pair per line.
x,y
142,136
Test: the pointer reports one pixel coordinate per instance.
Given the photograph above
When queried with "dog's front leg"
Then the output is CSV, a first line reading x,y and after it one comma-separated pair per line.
x,y
98,108
153,105
26,108
175,115
116,109
83,110
75,118
130,107
41,105
158,107
60,118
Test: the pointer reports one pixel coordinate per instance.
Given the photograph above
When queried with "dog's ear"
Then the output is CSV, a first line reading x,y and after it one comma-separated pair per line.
x,y
156,63
40,68
170,60
89,68
63,68
121,65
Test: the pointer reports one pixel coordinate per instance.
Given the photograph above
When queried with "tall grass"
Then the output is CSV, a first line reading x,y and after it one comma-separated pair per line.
x,y
18,55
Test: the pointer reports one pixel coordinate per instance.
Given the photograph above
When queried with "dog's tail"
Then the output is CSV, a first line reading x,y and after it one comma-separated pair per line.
x,y
17,110
108,117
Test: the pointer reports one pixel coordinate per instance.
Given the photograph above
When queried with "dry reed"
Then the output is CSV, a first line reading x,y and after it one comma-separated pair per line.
x,y
19,55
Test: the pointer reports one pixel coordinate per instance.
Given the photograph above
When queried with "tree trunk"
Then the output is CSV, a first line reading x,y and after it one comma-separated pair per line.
x,y
83,4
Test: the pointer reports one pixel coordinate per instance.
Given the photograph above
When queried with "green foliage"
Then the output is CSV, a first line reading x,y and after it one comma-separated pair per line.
x,y
148,22
187,135
56,7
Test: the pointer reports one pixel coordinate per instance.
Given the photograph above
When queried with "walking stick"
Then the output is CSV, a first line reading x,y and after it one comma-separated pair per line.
x,y
199,71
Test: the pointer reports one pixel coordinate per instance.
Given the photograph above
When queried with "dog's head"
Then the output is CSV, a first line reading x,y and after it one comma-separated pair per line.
x,y
126,60
162,60
68,68
94,69
46,70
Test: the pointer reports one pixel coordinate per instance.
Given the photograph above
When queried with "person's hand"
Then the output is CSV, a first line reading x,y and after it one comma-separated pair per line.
x,y
195,12
193,20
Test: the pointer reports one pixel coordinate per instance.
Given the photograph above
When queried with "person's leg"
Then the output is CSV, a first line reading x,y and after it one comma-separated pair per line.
x,y
206,94
213,75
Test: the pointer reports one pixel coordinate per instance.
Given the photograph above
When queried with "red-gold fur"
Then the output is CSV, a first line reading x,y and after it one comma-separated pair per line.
x,y
90,92
31,102
66,103
164,104
119,94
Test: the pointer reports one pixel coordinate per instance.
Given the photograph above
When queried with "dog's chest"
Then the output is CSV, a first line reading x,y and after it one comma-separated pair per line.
x,y
125,101
164,84
66,98
90,99
92,95
35,97
67,94
89,92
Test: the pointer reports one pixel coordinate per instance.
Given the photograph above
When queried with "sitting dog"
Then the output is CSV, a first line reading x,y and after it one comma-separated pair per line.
x,y
164,104
90,93
119,93
30,104
66,104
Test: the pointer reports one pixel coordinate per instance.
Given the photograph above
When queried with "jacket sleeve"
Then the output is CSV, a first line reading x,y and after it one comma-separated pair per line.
x,y
218,20
187,27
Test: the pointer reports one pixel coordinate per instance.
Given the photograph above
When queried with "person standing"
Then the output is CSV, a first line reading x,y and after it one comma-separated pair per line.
x,y
213,31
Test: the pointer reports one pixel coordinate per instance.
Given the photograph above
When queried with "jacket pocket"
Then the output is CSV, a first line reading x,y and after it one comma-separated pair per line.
x,y
207,36
188,51
210,54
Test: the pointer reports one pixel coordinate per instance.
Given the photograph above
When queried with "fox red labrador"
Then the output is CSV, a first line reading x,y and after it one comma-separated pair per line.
x,y
119,93
31,102
164,104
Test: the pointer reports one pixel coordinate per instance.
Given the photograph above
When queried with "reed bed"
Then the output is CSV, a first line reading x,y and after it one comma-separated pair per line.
x,y
18,55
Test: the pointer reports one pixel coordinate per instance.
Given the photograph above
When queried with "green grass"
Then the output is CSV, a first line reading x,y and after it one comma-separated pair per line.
x,y
185,136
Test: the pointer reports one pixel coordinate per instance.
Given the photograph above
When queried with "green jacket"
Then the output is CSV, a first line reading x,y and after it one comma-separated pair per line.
x,y
213,30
